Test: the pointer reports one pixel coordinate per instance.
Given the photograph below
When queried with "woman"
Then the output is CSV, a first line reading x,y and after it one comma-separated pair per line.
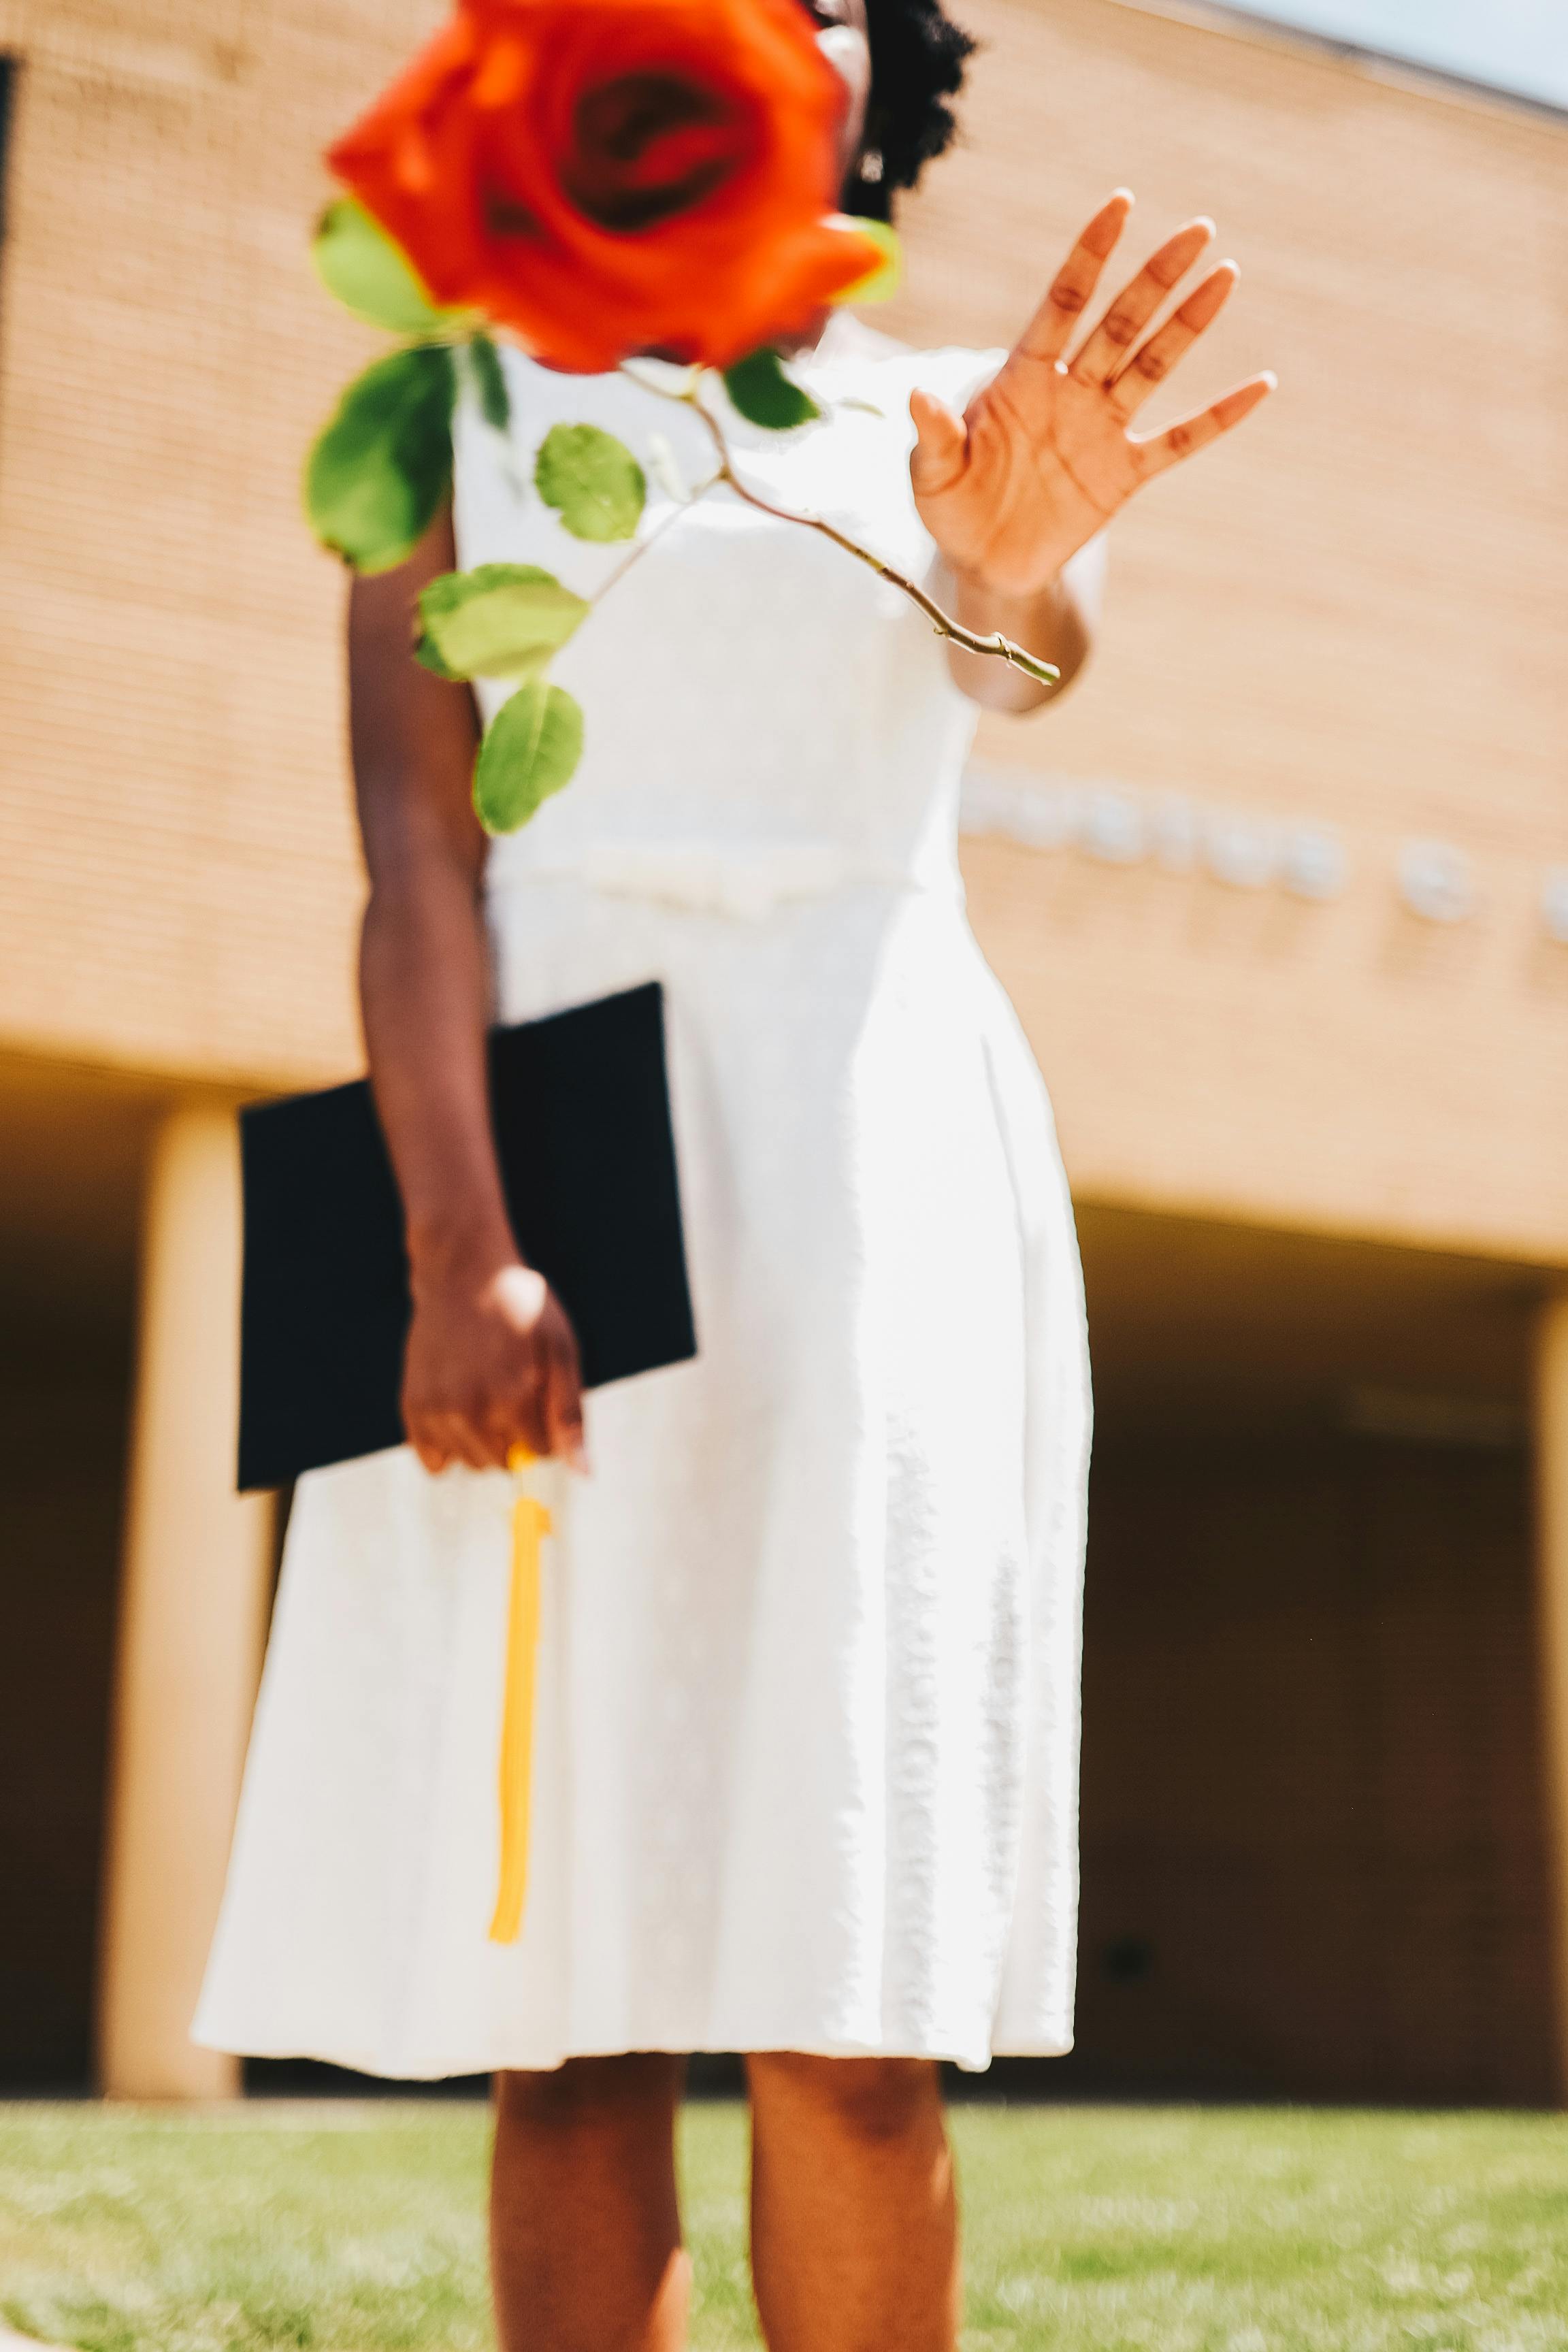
x,y
806,1739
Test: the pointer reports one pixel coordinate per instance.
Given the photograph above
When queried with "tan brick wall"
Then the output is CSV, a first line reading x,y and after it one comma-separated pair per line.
x,y
1354,614
177,872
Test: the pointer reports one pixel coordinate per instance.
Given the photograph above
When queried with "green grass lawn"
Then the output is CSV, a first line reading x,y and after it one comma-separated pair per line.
x,y
359,2228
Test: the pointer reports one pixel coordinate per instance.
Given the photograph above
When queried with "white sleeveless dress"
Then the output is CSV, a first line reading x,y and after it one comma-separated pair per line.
x,y
806,1732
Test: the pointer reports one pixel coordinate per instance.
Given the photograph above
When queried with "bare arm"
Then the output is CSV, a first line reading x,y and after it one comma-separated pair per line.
x,y
1052,623
491,1362
1044,453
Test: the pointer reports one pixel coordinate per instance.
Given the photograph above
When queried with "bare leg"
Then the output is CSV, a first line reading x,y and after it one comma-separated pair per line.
x,y
586,2250
854,2216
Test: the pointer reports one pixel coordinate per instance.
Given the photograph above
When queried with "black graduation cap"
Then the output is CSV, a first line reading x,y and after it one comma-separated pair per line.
x,y
580,1107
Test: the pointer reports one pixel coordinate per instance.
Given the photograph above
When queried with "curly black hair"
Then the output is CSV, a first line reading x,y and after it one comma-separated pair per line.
x,y
918,57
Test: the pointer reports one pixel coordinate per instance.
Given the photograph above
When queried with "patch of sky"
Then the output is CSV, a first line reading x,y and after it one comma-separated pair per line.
x,y
1514,45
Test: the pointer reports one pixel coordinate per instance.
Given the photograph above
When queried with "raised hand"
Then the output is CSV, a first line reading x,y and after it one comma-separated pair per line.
x,y
1044,455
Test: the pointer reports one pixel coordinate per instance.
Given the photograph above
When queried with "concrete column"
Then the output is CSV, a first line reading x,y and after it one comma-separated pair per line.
x,y
193,1605
1552,1553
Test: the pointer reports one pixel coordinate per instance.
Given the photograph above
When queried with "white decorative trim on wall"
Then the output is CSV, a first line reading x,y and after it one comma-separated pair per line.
x,y
1116,825
1437,881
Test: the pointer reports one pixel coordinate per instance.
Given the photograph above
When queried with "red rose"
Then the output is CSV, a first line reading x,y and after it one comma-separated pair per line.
x,y
604,177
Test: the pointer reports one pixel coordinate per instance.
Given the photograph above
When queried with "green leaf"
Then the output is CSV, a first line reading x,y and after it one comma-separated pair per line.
x,y
592,480
490,382
532,748
501,620
378,474
759,388
879,285
526,666
370,273
425,655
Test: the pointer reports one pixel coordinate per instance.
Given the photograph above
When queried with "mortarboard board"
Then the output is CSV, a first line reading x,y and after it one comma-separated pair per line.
x,y
580,1109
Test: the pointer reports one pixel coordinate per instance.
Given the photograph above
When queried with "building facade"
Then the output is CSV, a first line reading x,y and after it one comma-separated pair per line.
x,y
1280,892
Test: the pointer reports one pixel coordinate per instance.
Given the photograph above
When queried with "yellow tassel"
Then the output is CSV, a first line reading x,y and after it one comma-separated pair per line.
x,y
530,1525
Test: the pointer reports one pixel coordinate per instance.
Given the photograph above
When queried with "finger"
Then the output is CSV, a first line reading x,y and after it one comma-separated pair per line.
x,y
1160,451
424,1436
433,1455
516,1423
499,1436
1107,349
936,461
527,1422
470,1442
461,1440
563,1394
563,1414
1051,328
1154,360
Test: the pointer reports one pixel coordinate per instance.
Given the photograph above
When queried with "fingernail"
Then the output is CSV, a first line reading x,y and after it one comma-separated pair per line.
x,y
1271,379
1202,222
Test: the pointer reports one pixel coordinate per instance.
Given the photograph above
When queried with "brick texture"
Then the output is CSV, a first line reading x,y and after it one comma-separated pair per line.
x,y
1352,614
180,878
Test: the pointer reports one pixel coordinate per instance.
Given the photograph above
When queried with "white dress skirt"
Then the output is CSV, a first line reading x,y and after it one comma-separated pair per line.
x,y
806,1740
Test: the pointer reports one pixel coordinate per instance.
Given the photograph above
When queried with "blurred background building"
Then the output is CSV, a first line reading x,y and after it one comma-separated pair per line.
x,y
1281,893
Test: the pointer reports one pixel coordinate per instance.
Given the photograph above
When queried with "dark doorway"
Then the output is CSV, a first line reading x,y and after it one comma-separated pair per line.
x,y
1314,1861
70,1158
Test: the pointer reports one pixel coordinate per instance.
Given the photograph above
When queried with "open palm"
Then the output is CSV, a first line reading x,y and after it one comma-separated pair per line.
x,y
1044,455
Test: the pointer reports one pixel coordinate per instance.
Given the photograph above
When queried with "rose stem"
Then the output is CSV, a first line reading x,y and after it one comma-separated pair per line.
x,y
682,505
1002,648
